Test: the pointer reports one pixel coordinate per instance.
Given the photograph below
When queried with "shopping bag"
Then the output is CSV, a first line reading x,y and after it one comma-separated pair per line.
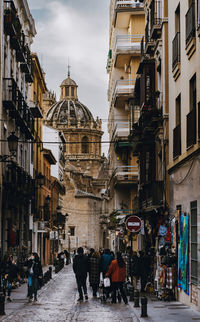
x,y
106,282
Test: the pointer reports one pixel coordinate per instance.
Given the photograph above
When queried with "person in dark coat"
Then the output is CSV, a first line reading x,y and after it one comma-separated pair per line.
x,y
10,273
34,272
80,267
94,272
67,256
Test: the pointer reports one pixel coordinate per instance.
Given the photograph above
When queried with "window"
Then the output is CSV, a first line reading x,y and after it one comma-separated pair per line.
x,y
177,129
193,241
66,91
72,231
191,116
72,91
85,146
178,110
198,13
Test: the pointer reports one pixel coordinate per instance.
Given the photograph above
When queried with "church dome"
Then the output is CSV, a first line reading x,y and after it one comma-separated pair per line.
x,y
69,111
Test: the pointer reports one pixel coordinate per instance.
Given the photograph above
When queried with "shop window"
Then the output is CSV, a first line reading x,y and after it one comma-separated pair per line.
x,y
193,242
85,145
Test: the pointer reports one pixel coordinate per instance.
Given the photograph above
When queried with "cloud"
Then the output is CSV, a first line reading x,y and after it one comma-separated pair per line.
x,y
79,30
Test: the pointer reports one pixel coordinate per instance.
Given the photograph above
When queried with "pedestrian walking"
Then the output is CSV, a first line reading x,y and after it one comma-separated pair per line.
x,y
117,271
34,273
67,256
73,254
106,259
94,272
80,267
9,273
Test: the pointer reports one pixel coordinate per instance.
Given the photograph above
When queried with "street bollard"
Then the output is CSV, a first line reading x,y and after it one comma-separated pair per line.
x,y
131,293
136,298
144,307
2,304
50,272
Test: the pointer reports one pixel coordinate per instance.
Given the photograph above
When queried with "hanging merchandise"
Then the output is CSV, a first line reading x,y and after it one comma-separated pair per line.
x,y
183,256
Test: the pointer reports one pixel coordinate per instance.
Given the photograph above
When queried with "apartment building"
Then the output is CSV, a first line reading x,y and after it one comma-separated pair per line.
x,y
184,136
127,20
16,120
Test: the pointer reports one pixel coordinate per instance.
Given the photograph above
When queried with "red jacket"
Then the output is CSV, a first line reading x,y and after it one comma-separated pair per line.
x,y
118,274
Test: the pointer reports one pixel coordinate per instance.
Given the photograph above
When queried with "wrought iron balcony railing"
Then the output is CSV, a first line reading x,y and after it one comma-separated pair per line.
x,y
191,128
129,4
190,23
176,50
152,195
156,20
177,141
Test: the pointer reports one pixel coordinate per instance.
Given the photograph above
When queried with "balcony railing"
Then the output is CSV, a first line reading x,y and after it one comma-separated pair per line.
x,y
9,93
152,195
156,20
191,128
176,50
10,14
14,102
121,130
177,141
123,87
124,43
128,4
125,175
190,23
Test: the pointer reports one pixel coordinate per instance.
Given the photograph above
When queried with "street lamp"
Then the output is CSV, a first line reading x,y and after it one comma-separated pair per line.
x,y
12,145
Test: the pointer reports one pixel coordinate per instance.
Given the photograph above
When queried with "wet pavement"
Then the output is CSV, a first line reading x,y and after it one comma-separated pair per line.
x,y
57,301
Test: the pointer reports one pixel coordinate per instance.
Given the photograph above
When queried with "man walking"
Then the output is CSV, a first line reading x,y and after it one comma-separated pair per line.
x,y
80,267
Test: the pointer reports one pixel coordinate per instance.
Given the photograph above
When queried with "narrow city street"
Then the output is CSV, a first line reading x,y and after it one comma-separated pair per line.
x,y
57,301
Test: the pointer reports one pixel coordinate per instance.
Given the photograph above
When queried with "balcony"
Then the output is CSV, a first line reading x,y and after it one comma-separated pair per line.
x,y
27,67
191,128
10,14
121,131
176,51
190,23
14,102
156,21
126,8
124,88
9,93
125,175
126,45
176,141
151,196
149,42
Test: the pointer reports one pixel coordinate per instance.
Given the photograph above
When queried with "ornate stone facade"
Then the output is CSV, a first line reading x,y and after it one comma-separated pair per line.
x,y
85,168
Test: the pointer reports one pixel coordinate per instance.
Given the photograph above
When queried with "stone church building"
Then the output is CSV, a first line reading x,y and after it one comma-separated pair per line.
x,y
86,173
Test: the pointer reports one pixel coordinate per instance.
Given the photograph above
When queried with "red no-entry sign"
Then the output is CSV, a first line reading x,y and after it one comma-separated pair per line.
x,y
133,224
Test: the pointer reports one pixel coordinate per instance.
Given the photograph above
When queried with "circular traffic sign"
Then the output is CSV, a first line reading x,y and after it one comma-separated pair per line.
x,y
133,224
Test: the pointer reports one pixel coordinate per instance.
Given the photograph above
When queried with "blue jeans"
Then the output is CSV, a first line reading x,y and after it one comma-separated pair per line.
x,y
32,286
8,285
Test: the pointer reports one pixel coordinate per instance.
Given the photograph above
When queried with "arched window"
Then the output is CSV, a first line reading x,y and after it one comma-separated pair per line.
x,y
85,146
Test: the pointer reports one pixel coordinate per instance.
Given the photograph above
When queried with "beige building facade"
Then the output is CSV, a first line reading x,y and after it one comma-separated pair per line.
x,y
184,135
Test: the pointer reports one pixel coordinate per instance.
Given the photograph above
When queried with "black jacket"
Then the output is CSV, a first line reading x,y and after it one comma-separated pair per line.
x,y
37,268
80,265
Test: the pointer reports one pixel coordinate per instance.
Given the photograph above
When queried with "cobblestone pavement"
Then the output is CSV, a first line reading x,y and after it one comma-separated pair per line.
x,y
57,301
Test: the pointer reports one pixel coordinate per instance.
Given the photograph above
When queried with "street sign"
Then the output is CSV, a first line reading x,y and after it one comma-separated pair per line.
x,y
133,224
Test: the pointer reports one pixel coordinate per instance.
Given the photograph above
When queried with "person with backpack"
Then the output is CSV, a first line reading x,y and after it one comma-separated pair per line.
x,y
34,273
117,271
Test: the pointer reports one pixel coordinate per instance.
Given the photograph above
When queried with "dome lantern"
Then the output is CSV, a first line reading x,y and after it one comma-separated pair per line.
x,y
68,88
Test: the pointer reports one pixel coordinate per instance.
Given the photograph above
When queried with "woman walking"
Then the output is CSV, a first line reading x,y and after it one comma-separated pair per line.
x,y
94,272
34,273
117,271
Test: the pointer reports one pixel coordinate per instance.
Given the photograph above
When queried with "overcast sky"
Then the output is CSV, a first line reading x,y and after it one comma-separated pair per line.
x,y
77,29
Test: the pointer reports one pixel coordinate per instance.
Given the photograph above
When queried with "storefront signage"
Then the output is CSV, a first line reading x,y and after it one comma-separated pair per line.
x,y
133,224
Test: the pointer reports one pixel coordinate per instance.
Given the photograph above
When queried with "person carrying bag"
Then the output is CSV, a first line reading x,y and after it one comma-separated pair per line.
x,y
117,271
